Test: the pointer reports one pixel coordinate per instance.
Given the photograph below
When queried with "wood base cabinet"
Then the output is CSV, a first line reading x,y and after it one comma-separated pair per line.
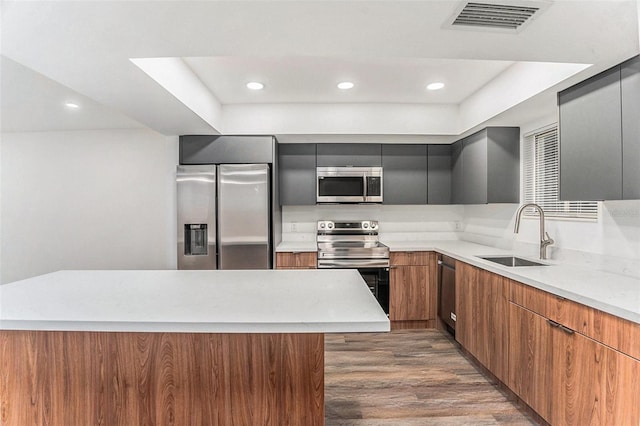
x,y
412,287
296,260
483,316
530,360
95,378
570,379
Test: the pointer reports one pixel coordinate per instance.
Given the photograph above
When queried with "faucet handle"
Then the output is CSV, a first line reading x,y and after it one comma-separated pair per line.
x,y
548,239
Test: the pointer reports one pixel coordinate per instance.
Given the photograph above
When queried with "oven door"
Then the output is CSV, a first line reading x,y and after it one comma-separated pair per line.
x,y
373,189
377,280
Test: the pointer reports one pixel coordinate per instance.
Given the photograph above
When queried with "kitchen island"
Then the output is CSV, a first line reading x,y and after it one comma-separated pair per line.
x,y
174,347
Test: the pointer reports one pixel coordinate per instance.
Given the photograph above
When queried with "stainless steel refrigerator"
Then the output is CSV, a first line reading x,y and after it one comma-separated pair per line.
x,y
224,216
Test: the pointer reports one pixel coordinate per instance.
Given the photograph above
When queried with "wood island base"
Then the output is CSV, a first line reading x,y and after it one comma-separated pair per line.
x,y
121,378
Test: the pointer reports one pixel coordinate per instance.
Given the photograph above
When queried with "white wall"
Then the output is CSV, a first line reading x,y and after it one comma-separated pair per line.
x,y
100,199
348,118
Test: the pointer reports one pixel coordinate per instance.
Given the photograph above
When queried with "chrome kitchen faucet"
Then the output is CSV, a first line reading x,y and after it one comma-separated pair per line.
x,y
545,239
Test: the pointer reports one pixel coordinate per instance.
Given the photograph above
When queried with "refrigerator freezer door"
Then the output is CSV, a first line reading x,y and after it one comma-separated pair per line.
x,y
244,216
196,197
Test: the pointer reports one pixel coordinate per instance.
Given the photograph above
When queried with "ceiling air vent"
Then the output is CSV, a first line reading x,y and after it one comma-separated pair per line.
x,y
495,16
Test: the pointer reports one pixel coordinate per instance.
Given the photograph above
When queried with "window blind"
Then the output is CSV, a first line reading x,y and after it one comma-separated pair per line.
x,y
541,167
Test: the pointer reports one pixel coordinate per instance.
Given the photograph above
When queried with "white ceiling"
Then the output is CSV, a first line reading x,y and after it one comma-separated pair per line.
x,y
300,49
35,103
305,79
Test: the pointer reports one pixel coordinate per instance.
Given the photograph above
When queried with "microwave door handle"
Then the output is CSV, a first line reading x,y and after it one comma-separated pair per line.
x,y
366,189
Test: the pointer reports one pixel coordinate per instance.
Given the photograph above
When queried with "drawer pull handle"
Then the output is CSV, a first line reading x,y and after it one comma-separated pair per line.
x,y
566,329
561,327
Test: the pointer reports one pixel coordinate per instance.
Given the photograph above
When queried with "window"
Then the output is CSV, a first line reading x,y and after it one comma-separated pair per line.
x,y
541,166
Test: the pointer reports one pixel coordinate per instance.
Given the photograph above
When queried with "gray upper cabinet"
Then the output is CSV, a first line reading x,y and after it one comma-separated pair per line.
x,y
405,174
216,149
349,154
297,174
439,174
591,139
474,170
457,192
503,164
630,89
486,167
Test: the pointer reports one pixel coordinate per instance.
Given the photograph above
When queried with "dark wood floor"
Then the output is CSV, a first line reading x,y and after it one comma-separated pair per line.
x,y
409,377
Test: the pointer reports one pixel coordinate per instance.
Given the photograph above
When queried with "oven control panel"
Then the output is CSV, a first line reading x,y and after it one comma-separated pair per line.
x,y
347,226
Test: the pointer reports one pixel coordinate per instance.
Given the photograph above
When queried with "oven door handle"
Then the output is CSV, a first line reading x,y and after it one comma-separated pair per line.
x,y
350,264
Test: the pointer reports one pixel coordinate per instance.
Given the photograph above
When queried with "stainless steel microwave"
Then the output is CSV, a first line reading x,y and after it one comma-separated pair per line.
x,y
349,184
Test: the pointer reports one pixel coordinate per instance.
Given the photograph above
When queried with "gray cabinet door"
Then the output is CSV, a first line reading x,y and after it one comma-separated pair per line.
x,y
215,149
297,174
457,188
439,174
349,154
630,75
591,139
404,174
503,165
474,171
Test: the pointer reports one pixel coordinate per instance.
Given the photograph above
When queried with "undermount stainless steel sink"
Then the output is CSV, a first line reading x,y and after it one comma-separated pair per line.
x,y
511,261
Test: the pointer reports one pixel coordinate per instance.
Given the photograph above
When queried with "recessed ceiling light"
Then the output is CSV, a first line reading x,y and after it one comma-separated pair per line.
x,y
345,85
435,86
71,105
254,85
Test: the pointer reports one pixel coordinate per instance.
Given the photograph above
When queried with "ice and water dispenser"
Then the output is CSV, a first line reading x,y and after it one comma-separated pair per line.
x,y
195,239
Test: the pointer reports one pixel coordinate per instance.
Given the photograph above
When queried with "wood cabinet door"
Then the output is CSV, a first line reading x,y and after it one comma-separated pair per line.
x,y
466,279
592,383
409,293
483,317
297,260
412,258
531,359
492,329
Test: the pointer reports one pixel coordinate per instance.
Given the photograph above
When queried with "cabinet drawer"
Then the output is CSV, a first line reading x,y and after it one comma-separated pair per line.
x,y
529,297
411,258
296,260
615,332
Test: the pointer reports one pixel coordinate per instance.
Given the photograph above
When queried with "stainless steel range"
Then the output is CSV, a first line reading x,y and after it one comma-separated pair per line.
x,y
355,245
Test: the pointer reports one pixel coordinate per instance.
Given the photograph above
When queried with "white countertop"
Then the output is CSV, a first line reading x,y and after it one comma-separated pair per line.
x,y
297,246
616,294
253,301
